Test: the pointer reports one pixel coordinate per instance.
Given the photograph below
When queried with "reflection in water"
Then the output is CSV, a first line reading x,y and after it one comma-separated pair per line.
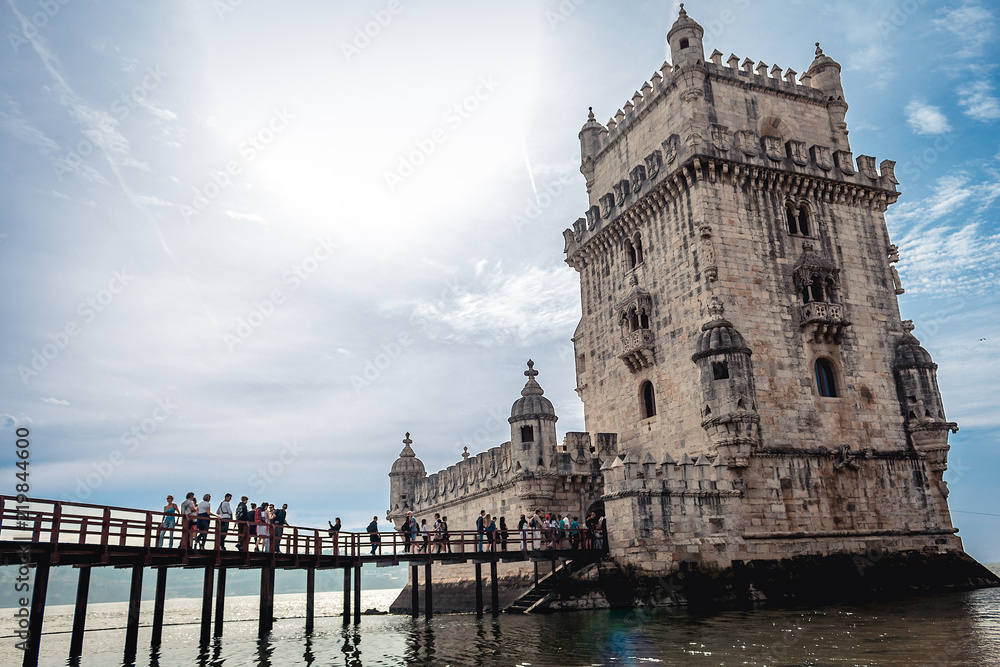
x,y
953,629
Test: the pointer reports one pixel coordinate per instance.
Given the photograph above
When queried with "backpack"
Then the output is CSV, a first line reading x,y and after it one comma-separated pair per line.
x,y
241,512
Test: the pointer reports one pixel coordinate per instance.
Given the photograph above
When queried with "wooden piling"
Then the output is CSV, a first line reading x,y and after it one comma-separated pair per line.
x,y
415,591
310,597
206,605
347,595
220,603
357,593
132,627
266,601
494,588
479,590
428,592
161,592
80,613
39,587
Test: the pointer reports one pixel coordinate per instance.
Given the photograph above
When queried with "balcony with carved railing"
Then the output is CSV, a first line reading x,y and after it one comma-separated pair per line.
x,y
824,322
637,350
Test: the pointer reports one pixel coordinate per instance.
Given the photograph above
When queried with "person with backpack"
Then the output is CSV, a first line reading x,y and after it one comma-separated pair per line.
x,y
374,537
243,528
279,519
407,529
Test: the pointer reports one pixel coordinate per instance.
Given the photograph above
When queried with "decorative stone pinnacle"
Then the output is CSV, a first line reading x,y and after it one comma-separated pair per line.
x,y
531,387
407,450
682,12
591,116
819,51
465,452
406,440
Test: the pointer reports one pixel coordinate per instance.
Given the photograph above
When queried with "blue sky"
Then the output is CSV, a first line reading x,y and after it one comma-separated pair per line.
x,y
253,243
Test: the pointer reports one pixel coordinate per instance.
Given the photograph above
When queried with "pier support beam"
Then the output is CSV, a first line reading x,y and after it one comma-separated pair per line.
x,y
428,593
479,590
310,597
132,628
220,602
38,589
415,591
347,595
357,594
494,589
161,593
266,601
206,605
80,614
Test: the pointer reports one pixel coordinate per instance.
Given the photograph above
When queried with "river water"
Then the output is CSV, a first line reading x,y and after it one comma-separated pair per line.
x,y
947,629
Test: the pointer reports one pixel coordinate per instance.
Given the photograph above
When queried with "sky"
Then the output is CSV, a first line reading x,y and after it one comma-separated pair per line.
x,y
246,246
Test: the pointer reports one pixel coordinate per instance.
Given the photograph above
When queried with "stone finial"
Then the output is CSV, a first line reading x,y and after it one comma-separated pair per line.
x,y
819,51
465,453
682,14
531,387
590,116
407,452
716,57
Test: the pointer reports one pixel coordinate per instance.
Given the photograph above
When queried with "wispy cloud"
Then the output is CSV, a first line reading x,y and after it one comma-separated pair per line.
x,y
249,217
531,304
926,119
971,24
978,100
54,401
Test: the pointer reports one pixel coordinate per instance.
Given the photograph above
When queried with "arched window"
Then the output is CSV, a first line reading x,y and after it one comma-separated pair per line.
x,y
633,320
825,381
630,255
803,220
831,290
643,320
527,434
638,249
816,289
648,400
793,227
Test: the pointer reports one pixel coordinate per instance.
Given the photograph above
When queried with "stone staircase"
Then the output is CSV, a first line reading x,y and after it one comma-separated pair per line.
x,y
535,598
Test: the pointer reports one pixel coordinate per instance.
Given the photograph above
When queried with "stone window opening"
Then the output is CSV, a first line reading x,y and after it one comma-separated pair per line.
x,y
648,399
826,382
685,43
797,218
527,434
819,289
720,370
631,257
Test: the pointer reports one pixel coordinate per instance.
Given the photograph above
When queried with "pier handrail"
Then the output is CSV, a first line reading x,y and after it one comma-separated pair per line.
x,y
73,524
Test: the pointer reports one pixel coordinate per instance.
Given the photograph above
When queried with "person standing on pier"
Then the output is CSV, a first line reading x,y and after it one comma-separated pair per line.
x,y
537,525
407,530
373,536
225,513
335,534
504,533
170,514
522,527
490,528
444,534
280,519
480,530
204,512
189,512
243,528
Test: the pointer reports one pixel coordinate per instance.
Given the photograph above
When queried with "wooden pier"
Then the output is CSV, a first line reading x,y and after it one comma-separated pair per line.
x,y
47,533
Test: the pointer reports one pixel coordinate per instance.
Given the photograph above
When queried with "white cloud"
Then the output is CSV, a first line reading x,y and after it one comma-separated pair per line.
x,y
972,25
249,217
54,401
532,304
979,101
926,119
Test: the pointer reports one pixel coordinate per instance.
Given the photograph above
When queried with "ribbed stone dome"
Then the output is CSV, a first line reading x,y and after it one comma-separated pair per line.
x,y
408,463
909,354
719,337
532,404
684,21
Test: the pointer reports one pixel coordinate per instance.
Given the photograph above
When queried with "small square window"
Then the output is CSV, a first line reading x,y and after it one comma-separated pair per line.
x,y
720,370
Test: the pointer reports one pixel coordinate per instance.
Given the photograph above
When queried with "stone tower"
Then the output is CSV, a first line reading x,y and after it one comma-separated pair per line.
x,y
406,472
740,330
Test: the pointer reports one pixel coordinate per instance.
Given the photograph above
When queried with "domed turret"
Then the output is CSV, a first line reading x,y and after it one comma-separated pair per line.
x,y
824,73
686,49
406,471
533,425
590,146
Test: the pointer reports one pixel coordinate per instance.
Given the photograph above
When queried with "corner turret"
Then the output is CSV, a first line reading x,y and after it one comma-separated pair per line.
x,y
824,75
406,472
533,426
590,146
686,49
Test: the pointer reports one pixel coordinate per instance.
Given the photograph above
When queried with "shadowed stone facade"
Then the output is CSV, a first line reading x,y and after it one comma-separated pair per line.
x,y
751,395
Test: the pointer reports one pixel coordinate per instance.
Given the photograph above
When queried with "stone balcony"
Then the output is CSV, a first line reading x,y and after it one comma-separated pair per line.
x,y
637,350
824,322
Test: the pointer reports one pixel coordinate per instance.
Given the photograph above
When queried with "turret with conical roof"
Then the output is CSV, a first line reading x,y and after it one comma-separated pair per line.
x,y
533,426
684,37
824,74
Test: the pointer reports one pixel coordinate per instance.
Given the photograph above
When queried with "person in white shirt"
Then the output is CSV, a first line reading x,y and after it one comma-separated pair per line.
x,y
225,513
204,512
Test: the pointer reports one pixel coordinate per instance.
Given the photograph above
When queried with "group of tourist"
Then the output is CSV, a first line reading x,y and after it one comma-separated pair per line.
x,y
256,524
555,531
419,537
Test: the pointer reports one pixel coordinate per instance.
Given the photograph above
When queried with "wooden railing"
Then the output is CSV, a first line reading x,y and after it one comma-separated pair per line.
x,y
69,524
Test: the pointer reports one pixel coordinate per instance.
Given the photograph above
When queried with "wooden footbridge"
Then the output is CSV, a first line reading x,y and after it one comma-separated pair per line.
x,y
47,533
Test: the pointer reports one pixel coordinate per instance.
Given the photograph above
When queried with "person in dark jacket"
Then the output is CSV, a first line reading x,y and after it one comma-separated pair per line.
x,y
374,537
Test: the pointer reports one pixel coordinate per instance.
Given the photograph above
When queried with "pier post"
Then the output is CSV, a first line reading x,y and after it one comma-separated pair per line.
x,y
415,591
494,588
206,605
357,593
161,593
266,601
80,614
132,628
347,595
39,587
310,597
428,592
220,602
479,590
